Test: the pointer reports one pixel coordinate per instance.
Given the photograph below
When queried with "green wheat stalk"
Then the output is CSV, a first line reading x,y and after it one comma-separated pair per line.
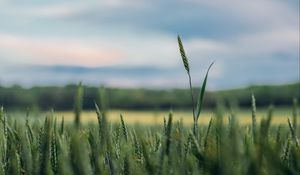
x,y
78,104
253,104
45,139
126,166
187,68
207,132
29,131
197,111
196,148
286,151
278,135
102,125
148,163
124,128
168,133
54,153
293,133
62,126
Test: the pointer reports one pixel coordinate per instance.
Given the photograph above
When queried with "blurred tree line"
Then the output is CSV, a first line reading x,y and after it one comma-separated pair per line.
x,y
62,98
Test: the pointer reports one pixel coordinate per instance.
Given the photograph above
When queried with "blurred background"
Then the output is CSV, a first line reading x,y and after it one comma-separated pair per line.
x,y
130,47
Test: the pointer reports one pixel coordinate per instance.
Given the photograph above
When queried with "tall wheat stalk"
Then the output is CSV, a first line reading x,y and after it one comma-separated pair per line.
x,y
197,111
187,68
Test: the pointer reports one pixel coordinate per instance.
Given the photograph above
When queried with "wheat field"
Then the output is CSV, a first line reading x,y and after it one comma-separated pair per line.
x,y
281,116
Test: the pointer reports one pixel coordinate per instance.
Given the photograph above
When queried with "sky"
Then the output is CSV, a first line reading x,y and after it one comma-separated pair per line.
x,y
133,43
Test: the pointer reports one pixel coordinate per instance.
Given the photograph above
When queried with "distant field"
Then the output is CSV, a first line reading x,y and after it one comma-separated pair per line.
x,y
280,116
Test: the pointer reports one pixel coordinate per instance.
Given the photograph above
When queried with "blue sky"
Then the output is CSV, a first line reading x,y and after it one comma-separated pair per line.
x,y
133,43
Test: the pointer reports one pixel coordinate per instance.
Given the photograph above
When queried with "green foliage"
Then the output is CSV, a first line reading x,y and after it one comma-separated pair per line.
x,y
62,98
79,156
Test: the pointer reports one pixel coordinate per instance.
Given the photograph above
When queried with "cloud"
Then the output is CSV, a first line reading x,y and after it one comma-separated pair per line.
x,y
284,39
128,50
251,41
146,76
57,51
59,9
218,19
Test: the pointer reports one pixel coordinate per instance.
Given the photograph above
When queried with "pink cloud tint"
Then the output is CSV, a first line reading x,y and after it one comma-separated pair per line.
x,y
59,51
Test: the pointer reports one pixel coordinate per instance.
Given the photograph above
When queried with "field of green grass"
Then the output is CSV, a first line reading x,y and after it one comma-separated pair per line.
x,y
106,143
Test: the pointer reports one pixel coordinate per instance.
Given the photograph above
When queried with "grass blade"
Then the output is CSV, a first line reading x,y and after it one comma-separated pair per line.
x,y
201,95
